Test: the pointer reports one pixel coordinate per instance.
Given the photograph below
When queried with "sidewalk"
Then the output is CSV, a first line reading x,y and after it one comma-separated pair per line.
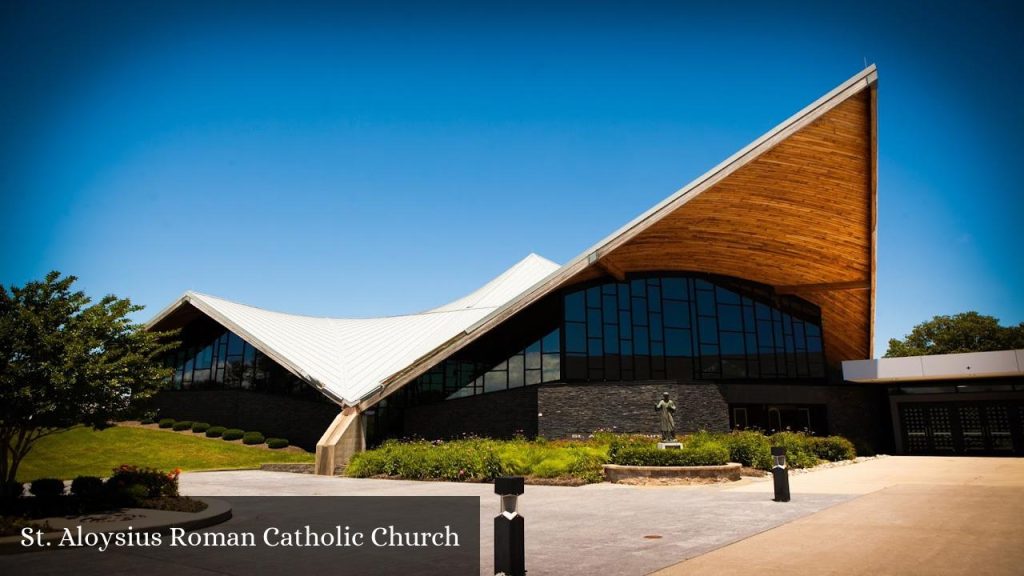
x,y
918,515
607,529
890,516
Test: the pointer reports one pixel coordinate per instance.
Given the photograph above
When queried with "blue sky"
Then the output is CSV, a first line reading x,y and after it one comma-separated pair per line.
x,y
381,158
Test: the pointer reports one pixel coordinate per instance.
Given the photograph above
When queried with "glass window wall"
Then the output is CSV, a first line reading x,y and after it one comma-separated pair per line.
x,y
223,360
672,327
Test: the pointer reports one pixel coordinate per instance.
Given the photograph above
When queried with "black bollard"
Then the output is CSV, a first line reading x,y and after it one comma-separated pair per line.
x,y
780,474
509,541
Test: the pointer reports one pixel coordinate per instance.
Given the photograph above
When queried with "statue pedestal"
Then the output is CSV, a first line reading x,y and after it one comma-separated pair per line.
x,y
669,446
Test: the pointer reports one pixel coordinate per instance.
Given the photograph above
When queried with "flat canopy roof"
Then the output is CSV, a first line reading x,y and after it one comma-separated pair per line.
x,y
998,364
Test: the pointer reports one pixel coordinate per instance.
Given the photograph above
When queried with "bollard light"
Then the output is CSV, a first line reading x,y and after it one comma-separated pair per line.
x,y
778,457
509,542
780,474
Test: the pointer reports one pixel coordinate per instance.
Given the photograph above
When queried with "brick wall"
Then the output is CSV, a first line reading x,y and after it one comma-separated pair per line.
x,y
496,415
551,410
568,409
302,422
856,412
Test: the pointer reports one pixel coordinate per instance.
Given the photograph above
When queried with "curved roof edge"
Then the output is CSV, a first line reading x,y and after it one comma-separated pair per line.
x,y
348,359
745,155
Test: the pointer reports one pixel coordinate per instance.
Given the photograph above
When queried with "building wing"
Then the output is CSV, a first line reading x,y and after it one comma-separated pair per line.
x,y
347,359
794,210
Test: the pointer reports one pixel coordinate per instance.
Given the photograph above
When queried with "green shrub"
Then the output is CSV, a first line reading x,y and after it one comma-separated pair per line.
x,y
128,484
215,431
232,434
461,460
553,459
749,448
166,422
478,459
367,464
645,456
833,448
277,443
199,427
183,425
518,461
701,438
87,487
587,464
253,438
628,442
703,454
553,467
47,488
132,494
147,420
799,453
411,462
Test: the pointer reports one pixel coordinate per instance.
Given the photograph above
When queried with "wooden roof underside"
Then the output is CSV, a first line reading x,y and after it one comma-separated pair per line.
x,y
798,218
795,209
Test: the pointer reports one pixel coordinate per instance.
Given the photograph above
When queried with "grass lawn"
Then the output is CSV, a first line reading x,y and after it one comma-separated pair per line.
x,y
84,451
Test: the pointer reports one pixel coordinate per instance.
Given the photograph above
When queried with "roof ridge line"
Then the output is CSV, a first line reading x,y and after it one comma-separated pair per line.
x,y
802,118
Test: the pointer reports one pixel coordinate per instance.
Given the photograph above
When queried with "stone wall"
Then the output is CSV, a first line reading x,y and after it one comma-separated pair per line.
x,y
854,411
496,415
302,422
579,409
551,410
565,410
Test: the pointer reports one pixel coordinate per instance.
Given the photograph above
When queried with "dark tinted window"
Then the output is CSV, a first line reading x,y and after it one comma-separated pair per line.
x,y
681,325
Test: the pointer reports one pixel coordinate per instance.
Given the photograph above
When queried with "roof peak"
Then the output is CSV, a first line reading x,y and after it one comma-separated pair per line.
x,y
521,275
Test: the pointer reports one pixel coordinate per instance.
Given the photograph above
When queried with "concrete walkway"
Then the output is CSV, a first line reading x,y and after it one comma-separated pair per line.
x,y
885,516
927,516
608,529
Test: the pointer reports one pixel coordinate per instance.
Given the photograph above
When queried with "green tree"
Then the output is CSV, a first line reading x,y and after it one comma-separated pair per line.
x,y
964,332
65,362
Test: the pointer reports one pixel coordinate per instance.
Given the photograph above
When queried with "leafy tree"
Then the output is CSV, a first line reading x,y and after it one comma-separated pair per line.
x,y
964,332
64,362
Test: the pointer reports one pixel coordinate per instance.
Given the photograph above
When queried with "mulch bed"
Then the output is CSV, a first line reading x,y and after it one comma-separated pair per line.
x,y
137,424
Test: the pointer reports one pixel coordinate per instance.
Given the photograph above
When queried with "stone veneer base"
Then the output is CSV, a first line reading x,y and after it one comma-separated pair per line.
x,y
617,473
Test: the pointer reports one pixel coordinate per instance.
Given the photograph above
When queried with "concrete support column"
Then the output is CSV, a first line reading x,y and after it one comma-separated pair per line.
x,y
343,438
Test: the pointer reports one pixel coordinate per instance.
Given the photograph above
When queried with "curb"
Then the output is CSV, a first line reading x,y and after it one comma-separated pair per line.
x,y
615,472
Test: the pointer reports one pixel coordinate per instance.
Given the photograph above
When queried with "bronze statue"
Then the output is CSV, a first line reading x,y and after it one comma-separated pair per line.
x,y
668,425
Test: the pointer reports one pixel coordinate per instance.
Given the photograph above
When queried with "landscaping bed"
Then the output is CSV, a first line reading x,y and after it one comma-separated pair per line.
x,y
84,451
575,462
90,496
685,474
480,460
204,430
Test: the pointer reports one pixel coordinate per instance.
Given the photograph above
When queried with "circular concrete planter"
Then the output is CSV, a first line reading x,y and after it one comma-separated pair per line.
x,y
618,473
136,519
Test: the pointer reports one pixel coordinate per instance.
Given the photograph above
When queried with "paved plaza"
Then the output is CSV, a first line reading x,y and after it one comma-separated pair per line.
x,y
917,516
885,516
603,528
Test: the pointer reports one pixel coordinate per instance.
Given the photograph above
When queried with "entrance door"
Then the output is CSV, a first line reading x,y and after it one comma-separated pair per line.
x,y
966,428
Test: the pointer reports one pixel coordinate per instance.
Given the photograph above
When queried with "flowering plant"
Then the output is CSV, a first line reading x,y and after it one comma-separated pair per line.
x,y
131,481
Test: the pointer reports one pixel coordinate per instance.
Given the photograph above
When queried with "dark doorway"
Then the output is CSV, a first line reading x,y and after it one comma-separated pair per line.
x,y
962,428
773,418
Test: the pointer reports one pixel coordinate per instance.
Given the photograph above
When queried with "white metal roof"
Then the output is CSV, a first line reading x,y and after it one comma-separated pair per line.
x,y
349,358
995,364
